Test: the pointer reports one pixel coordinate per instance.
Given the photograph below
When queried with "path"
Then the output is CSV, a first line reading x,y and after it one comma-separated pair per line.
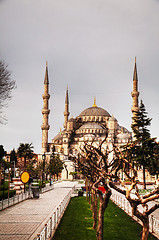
x,y
26,219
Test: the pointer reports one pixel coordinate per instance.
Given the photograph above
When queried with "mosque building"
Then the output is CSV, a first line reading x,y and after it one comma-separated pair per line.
x,y
92,124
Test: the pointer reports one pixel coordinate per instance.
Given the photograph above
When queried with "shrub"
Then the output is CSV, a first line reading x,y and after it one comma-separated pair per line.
x,y
5,185
11,194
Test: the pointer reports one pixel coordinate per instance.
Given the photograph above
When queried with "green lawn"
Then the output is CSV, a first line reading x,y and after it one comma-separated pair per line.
x,y
76,223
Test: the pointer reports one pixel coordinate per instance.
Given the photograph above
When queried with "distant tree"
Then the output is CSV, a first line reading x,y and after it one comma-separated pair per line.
x,y
13,161
2,153
31,168
47,170
6,87
145,151
56,166
13,156
25,151
35,169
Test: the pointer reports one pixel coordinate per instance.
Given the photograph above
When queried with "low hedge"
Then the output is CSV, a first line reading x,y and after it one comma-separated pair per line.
x,y
11,194
5,186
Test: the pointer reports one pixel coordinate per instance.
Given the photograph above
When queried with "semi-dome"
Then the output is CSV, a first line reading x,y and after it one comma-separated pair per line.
x,y
95,111
91,126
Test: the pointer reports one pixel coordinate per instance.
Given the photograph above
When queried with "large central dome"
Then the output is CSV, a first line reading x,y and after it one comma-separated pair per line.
x,y
95,111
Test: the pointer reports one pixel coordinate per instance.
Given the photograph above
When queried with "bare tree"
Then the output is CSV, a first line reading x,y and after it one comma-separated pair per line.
x,y
6,87
93,163
123,161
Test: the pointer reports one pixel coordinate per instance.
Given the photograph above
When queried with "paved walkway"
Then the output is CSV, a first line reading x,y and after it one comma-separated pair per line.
x,y
26,219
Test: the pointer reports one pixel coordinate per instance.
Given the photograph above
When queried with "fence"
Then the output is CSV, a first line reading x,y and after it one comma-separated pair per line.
x,y
123,203
47,188
20,197
13,200
52,224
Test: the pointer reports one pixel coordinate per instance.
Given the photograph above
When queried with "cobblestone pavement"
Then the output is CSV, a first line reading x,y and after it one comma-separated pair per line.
x,y
23,220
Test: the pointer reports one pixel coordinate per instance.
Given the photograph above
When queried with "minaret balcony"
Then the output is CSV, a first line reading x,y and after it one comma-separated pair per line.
x,y
45,111
135,94
45,127
135,109
46,96
66,113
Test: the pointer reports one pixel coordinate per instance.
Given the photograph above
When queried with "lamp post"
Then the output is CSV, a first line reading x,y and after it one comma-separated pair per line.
x,y
51,161
3,179
43,158
8,177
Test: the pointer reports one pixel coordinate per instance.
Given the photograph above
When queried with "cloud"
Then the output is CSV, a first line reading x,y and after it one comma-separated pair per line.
x,y
90,46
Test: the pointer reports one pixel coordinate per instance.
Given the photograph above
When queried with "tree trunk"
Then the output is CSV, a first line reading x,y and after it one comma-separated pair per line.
x,y
144,178
24,163
86,185
100,219
103,203
89,189
94,208
145,229
95,212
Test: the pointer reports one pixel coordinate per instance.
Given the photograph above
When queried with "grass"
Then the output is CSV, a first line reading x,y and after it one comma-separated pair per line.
x,y
76,223
144,191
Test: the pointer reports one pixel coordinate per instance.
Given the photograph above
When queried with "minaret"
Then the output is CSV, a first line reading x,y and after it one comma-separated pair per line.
x,y
135,93
66,113
45,111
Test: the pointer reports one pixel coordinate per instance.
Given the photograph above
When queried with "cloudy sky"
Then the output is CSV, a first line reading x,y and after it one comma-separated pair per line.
x,y
90,45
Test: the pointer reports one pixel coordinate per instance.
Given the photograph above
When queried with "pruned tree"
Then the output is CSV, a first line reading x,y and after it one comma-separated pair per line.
x,y
6,87
122,161
93,163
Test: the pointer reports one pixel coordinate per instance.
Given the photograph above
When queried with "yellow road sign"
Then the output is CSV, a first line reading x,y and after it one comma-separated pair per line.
x,y
25,177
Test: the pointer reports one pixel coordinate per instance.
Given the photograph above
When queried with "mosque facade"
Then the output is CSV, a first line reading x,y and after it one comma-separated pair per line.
x,y
92,124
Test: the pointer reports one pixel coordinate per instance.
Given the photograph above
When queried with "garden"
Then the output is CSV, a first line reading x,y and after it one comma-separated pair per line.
x,y
77,222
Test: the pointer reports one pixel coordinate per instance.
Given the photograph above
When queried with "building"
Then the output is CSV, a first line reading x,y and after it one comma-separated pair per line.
x,y
93,123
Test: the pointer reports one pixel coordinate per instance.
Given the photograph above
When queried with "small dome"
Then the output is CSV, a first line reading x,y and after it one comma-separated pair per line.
x,y
58,137
71,119
95,111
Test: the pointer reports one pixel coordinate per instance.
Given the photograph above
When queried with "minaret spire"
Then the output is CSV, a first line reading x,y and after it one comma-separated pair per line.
x,y
94,105
46,80
45,111
135,93
66,113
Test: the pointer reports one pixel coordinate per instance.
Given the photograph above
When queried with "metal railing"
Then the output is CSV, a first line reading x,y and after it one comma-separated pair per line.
x,y
47,188
13,200
124,204
52,224
20,197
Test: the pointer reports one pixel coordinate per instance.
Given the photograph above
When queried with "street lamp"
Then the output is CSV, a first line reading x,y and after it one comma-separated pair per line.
x,y
43,158
3,165
51,161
